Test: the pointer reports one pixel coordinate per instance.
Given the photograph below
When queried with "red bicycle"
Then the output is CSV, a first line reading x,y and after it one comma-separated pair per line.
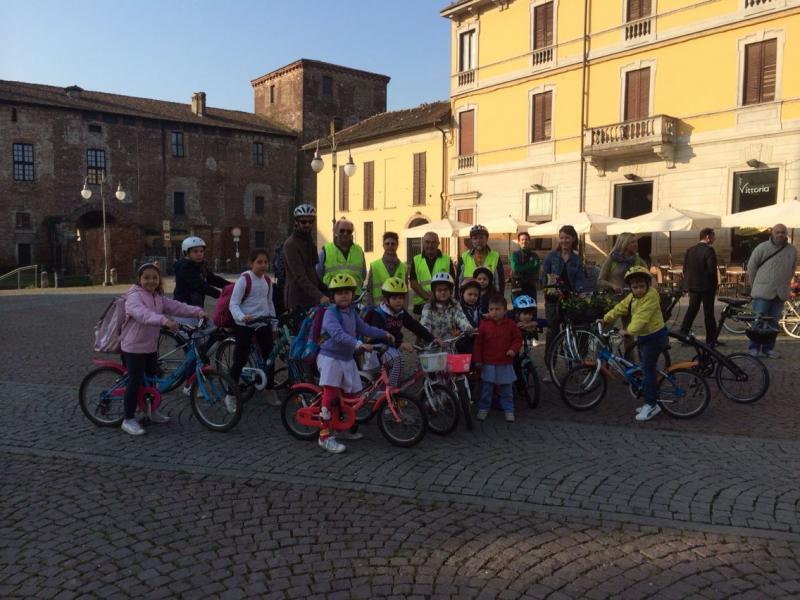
x,y
401,418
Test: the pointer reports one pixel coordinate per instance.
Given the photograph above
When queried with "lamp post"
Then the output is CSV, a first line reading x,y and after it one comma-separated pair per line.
x,y
120,194
236,233
317,164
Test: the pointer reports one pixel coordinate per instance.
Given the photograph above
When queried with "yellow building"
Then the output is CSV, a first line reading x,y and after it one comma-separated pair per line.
x,y
399,180
622,107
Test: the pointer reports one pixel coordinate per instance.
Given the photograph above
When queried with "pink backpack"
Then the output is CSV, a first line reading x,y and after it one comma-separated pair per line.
x,y
222,312
108,330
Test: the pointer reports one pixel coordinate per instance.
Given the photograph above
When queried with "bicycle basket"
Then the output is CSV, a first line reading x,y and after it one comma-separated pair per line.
x,y
433,362
459,363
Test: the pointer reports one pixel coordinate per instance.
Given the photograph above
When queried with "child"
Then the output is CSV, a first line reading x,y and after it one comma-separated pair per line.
x,y
338,372
646,322
484,277
525,309
498,342
392,317
145,306
441,315
257,303
470,292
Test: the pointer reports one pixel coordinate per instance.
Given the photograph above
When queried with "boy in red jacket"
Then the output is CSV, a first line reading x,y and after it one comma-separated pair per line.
x,y
498,342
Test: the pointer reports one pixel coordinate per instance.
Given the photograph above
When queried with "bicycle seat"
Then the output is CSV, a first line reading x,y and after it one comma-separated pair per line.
x,y
734,301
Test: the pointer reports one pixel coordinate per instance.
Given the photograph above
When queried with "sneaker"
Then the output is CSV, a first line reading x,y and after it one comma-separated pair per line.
x,y
325,413
510,417
157,417
230,403
482,414
772,354
331,445
186,390
647,412
547,378
273,399
754,352
349,435
132,426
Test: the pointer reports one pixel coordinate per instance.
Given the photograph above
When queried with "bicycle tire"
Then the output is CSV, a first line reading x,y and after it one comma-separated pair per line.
x,y
757,373
531,384
223,360
561,360
735,326
413,421
212,412
790,318
465,404
171,351
683,388
443,417
100,410
583,388
295,400
365,413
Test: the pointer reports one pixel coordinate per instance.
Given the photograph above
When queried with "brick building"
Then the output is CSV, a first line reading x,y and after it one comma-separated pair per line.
x,y
187,169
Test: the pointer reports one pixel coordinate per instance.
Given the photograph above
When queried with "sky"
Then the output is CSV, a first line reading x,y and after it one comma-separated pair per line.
x,y
167,49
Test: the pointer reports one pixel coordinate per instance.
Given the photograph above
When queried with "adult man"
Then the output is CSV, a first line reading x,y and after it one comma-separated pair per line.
x,y
480,255
193,279
424,266
342,255
700,279
389,265
302,284
524,268
770,269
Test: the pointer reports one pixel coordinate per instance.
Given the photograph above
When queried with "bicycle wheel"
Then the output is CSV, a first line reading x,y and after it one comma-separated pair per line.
x,y
747,385
683,393
208,400
530,384
223,361
364,414
411,426
97,399
171,351
583,387
441,406
737,326
570,351
296,400
464,400
790,318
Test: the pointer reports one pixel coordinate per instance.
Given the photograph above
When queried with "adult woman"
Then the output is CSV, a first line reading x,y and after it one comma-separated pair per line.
x,y
623,256
563,265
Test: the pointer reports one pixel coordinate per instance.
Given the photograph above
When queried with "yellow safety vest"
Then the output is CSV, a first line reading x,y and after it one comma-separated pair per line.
x,y
442,265
379,274
336,263
490,262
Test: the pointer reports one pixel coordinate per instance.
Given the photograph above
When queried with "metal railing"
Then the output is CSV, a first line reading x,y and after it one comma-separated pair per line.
x,y
18,273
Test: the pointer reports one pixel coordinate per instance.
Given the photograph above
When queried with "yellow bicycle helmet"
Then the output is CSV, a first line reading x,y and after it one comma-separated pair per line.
x,y
638,271
342,281
394,286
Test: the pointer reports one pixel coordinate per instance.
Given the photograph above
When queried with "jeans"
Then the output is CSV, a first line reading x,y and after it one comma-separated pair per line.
x,y
137,365
767,308
707,298
487,392
650,348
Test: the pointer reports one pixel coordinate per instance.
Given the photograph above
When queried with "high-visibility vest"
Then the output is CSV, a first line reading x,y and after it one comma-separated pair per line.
x,y
490,262
442,265
336,263
379,274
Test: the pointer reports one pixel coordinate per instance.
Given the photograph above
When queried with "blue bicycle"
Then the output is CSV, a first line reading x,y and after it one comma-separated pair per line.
x,y
102,391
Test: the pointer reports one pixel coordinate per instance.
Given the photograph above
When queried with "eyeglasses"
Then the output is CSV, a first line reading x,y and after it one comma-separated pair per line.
x,y
346,231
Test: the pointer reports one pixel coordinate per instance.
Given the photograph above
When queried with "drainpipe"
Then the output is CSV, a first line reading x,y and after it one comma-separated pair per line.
x,y
584,67
443,193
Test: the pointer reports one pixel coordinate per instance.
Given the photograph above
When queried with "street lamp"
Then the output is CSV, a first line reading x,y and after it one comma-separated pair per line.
x,y
317,164
236,233
86,193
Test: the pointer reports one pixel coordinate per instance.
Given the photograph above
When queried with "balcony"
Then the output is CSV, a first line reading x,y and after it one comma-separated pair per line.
x,y
642,137
466,163
639,30
466,78
542,57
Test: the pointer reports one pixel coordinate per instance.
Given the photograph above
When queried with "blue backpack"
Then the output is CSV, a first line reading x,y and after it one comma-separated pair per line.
x,y
305,346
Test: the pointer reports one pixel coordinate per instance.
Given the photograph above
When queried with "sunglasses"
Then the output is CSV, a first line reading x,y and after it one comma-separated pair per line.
x,y
305,221
345,231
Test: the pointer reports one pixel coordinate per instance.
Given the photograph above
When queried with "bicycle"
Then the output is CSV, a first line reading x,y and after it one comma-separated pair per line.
x,y
402,419
102,390
682,392
528,384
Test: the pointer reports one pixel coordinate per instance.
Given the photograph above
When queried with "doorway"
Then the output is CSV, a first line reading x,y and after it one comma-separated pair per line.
x,y
23,255
632,200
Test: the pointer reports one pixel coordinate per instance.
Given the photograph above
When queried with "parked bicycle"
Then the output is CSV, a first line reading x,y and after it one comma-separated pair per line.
x,y
102,391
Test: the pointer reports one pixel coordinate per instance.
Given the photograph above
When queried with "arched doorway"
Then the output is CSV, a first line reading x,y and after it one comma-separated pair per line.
x,y
414,245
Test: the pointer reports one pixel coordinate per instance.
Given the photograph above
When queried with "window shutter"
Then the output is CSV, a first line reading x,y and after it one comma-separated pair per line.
x,y
344,190
547,109
638,9
752,73
369,185
637,94
543,26
466,136
548,24
769,57
419,178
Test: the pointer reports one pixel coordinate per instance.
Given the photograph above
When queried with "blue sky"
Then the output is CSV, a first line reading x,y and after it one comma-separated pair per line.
x,y
168,49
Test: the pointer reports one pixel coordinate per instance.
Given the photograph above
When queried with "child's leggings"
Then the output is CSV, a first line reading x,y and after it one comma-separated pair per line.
x,y
138,365
329,395
394,362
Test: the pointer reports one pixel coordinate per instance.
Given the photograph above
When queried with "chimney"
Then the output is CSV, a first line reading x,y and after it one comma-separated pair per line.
x,y
73,91
199,104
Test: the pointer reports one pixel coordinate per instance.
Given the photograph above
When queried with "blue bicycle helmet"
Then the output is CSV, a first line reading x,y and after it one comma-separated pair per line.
x,y
524,302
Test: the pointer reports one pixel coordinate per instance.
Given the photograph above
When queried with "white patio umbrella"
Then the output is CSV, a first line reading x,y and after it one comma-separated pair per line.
x,y
507,224
787,213
583,222
443,228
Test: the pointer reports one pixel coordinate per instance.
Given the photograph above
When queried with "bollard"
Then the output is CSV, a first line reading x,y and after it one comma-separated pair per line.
x,y
113,276
55,279
45,281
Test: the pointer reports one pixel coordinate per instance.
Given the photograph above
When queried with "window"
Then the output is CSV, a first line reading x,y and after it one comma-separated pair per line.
x,y
95,129
272,94
178,203
260,239
368,242
95,166
258,205
466,133
543,26
23,162
541,119
177,143
344,190
24,255
23,220
13,115
419,178
258,154
637,94
327,86
369,185
759,72
638,9
467,51
539,209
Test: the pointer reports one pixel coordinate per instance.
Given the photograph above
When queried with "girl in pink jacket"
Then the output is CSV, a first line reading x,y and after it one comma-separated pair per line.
x,y
145,305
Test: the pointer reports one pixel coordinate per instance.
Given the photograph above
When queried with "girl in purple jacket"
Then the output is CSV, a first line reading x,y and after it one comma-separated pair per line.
x,y
145,308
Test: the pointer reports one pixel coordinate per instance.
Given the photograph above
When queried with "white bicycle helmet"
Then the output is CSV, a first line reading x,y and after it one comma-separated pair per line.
x,y
192,242
442,278
305,210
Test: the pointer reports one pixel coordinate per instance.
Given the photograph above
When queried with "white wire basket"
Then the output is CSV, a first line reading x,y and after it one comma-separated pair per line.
x,y
433,362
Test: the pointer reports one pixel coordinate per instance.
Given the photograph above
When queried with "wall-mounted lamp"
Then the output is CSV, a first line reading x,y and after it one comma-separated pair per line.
x,y
754,163
631,176
538,187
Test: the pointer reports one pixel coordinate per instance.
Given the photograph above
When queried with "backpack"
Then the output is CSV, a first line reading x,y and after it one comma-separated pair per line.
x,y
222,311
108,330
310,337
